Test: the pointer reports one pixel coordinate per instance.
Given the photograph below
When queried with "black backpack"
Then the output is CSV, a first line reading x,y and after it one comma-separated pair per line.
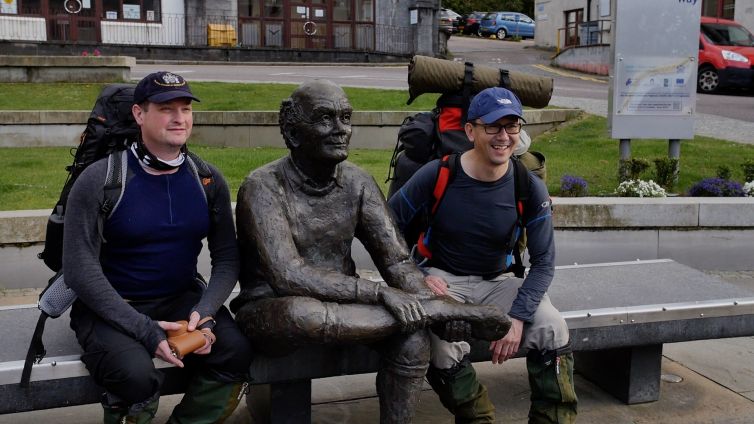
x,y
110,127
110,130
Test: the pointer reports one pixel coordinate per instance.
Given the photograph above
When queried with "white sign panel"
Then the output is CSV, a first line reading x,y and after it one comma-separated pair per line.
x,y
9,6
654,60
654,85
131,11
413,17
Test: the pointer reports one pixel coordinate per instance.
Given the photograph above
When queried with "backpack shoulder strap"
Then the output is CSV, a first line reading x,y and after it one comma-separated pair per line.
x,y
522,191
446,172
206,180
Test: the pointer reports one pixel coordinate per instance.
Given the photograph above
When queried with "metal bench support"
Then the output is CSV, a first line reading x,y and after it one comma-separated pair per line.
x,y
631,374
281,403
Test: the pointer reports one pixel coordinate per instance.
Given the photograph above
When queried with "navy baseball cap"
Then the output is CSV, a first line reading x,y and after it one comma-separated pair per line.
x,y
494,103
161,87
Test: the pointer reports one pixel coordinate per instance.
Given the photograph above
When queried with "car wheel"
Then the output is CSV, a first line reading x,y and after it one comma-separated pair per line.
x,y
501,33
708,80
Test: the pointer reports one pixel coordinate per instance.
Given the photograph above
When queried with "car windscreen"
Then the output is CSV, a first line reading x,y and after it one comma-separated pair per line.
x,y
727,35
490,16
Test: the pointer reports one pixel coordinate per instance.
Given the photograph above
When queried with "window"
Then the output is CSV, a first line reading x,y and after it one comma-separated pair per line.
x,y
132,10
364,10
20,7
341,10
273,8
248,8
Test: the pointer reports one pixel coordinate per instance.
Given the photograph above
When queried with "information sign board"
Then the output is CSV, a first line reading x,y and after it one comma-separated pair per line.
x,y
653,68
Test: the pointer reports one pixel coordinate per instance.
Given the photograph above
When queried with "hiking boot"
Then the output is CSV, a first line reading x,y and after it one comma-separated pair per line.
x,y
461,393
207,401
553,397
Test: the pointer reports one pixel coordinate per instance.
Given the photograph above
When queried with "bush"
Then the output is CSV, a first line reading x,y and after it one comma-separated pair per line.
x,y
716,187
723,172
571,186
666,172
632,169
748,168
640,188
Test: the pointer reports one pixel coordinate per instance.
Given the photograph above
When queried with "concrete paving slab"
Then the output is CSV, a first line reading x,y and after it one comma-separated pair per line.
x,y
728,362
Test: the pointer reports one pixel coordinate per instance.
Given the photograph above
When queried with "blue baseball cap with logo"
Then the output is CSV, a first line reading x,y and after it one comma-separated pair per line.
x,y
161,87
494,103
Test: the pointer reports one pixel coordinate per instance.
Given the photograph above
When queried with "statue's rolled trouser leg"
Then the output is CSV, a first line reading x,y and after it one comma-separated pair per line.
x,y
288,322
404,362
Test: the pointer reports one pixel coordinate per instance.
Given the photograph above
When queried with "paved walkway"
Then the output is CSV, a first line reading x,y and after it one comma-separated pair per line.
x,y
706,125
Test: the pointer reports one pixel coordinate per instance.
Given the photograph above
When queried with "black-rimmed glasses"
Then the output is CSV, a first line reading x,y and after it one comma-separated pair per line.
x,y
492,129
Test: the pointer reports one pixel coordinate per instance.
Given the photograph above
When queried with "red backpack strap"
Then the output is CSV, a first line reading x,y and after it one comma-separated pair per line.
x,y
445,173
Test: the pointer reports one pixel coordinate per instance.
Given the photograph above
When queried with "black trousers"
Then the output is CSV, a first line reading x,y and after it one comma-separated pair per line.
x,y
125,369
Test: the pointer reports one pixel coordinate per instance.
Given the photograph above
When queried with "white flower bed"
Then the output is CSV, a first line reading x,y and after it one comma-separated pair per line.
x,y
749,189
640,188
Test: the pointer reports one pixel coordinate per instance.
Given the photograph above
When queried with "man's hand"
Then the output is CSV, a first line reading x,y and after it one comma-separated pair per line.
x,y
163,350
507,347
194,319
436,284
404,307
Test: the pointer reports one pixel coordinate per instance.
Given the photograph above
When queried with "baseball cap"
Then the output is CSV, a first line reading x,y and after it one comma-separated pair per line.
x,y
494,103
161,87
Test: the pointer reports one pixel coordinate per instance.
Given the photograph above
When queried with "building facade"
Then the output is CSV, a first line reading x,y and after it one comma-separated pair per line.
x,y
396,27
567,23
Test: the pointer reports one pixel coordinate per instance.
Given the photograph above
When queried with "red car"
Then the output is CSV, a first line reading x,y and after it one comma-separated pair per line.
x,y
726,55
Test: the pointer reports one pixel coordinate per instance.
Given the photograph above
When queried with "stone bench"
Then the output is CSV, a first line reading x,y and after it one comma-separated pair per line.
x,y
619,315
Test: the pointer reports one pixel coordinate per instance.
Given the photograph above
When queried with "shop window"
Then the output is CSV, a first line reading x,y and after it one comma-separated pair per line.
x,y
132,10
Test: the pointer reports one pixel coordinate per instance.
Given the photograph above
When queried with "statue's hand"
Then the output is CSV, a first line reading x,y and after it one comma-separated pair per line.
x,y
453,331
404,307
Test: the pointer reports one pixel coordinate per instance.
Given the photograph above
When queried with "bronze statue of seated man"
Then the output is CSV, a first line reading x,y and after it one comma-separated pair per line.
x,y
296,220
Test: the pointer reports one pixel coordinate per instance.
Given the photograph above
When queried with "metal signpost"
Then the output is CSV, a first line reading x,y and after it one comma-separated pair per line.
x,y
653,72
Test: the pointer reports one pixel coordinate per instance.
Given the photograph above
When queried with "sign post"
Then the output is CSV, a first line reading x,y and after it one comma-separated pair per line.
x,y
653,73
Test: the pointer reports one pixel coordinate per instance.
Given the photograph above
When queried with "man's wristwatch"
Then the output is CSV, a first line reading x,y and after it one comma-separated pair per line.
x,y
206,323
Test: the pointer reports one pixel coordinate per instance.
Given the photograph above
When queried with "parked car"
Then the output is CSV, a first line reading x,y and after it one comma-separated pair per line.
x,y
726,55
504,24
469,24
449,21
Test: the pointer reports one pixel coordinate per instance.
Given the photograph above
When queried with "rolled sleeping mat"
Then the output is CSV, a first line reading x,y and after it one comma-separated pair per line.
x,y
430,75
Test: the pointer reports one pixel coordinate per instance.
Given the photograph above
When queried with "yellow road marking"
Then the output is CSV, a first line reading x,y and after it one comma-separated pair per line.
x,y
568,74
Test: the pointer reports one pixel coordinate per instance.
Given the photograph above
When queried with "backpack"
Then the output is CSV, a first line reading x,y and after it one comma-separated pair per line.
x,y
420,228
431,135
110,127
109,131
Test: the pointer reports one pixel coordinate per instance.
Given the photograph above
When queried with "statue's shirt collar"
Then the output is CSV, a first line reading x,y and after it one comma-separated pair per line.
x,y
299,181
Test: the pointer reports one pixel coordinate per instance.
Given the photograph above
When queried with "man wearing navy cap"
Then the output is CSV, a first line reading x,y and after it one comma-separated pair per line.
x,y
135,269
469,243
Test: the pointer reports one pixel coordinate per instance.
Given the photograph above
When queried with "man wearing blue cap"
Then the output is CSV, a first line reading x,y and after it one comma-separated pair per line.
x,y
134,267
469,243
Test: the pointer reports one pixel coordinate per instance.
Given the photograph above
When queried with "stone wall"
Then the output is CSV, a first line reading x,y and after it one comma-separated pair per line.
x,y
704,233
89,69
374,130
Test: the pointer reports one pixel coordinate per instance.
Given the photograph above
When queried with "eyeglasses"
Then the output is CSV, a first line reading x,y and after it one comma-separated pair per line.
x,y
492,129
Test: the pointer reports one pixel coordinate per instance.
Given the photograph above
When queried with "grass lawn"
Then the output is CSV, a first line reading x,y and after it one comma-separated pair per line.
x,y
218,96
31,178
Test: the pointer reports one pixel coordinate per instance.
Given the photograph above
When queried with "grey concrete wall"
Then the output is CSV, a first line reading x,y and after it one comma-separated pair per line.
x,y
65,68
375,130
704,233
